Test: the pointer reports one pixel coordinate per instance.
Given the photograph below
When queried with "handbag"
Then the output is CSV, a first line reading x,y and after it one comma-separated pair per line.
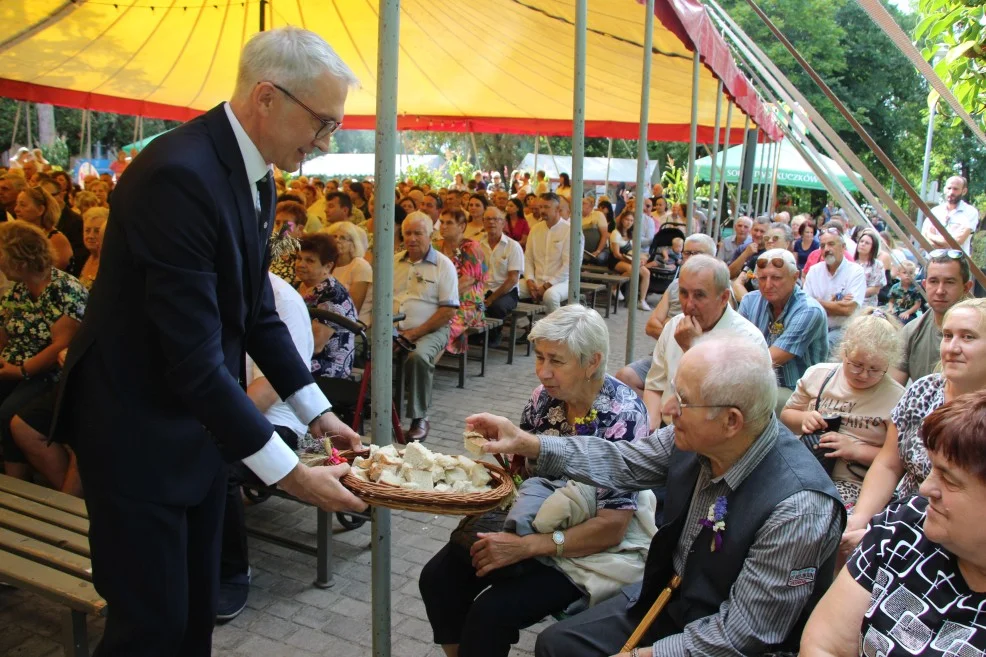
x,y
811,440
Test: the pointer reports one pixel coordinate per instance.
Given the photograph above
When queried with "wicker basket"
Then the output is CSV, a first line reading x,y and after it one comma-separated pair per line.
x,y
448,504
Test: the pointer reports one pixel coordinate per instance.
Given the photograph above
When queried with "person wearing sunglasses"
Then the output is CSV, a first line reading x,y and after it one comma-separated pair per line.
x,y
793,324
836,283
183,297
947,281
745,591
959,218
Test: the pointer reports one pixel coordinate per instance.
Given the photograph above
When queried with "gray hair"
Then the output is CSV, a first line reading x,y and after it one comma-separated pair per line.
x,y
763,221
699,263
419,217
790,264
740,374
350,230
580,329
743,218
785,228
708,244
291,57
16,181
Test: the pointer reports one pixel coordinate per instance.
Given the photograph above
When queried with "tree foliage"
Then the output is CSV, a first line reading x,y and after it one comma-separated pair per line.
x,y
957,28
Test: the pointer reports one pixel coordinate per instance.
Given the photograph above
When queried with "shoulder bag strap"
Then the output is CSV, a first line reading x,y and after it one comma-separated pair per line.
x,y
828,378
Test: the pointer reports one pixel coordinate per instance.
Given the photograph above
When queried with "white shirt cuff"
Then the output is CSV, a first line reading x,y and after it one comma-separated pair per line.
x,y
273,462
308,402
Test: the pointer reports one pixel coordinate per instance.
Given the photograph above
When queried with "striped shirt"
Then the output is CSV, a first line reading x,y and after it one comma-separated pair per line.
x,y
761,608
801,330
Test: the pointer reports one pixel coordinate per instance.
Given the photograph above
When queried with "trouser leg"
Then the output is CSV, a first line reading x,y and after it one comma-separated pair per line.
x,y
419,371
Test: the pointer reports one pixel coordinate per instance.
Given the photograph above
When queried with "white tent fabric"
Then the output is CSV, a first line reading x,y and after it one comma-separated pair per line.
x,y
338,165
594,168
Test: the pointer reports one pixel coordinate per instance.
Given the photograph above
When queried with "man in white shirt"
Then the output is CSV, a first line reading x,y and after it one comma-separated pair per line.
x,y
703,288
504,263
958,217
234,569
836,283
546,257
431,205
542,186
426,290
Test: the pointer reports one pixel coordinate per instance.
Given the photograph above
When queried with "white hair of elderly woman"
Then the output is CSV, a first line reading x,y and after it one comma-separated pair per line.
x,y
582,331
419,217
740,374
720,272
291,57
708,244
790,264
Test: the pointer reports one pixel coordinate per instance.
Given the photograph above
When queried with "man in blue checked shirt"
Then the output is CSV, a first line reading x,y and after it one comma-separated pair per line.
x,y
793,324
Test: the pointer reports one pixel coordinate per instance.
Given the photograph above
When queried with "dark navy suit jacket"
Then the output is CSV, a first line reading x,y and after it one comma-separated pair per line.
x,y
151,398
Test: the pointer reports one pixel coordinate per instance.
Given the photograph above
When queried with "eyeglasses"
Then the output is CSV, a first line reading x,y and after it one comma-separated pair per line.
x,y
682,405
773,262
831,231
859,369
954,254
689,254
327,127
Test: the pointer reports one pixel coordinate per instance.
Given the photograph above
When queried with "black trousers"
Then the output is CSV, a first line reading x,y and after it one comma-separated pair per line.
x,y
502,307
602,630
234,558
485,623
157,566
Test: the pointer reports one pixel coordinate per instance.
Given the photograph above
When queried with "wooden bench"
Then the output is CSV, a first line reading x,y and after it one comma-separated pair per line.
x,y
463,358
598,269
612,281
44,549
589,293
524,311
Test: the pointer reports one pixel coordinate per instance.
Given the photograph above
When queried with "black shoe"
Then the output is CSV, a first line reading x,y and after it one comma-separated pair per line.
x,y
233,594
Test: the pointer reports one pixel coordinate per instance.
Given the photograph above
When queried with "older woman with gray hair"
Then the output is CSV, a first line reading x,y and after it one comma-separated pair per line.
x,y
351,269
478,606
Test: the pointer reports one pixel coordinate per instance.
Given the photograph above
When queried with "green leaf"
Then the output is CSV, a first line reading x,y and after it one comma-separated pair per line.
x,y
923,26
959,51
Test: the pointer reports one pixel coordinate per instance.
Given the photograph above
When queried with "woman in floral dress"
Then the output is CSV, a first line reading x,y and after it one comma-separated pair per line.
x,y
467,256
289,226
335,347
481,610
39,315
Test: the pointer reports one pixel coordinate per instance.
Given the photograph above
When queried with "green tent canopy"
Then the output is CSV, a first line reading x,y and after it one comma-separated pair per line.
x,y
792,170
142,144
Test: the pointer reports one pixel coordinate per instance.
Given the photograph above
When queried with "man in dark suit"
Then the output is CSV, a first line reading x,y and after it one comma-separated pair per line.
x,y
153,399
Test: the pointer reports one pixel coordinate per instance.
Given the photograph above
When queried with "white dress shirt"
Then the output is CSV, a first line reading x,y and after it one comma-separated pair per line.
x,y
963,216
546,257
506,256
849,278
275,460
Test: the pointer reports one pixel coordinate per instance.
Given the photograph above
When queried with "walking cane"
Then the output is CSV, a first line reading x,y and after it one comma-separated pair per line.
x,y
651,615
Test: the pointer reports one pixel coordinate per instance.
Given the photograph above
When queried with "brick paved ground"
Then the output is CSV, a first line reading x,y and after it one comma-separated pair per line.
x,y
285,614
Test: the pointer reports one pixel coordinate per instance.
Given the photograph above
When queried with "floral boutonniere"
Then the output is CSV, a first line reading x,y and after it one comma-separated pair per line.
x,y
776,328
587,424
716,521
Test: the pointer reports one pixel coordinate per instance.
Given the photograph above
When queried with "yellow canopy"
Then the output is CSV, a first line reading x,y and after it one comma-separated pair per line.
x,y
499,66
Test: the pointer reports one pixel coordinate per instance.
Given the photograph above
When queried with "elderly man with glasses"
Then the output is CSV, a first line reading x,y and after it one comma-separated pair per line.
x,y
793,324
751,520
836,283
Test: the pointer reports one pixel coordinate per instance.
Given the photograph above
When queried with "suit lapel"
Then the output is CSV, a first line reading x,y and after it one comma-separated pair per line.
x,y
242,191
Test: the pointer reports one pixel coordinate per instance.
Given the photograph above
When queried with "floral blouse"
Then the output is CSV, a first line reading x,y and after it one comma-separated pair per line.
x,y
620,415
336,359
27,322
919,400
283,267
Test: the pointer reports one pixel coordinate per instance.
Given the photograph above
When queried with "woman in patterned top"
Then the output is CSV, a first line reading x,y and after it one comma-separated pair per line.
x,y
335,347
94,220
36,206
476,608
916,585
40,315
290,218
903,462
467,256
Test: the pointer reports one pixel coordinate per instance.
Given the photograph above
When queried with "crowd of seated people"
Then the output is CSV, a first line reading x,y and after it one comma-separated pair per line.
x,y
789,329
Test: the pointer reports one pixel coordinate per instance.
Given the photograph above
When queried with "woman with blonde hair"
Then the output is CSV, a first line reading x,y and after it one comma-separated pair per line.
x,y
857,393
902,464
39,316
93,225
36,206
351,269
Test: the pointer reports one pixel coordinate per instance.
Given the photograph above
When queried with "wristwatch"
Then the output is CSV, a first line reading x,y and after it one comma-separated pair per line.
x,y
558,537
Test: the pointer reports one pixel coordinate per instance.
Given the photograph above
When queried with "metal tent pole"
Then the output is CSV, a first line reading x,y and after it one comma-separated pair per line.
x,y
17,119
27,115
765,184
772,202
638,212
609,159
713,157
742,167
693,143
926,168
753,173
537,146
722,174
578,154
383,297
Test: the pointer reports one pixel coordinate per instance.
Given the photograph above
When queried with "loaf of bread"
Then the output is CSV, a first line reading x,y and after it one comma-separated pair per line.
x,y
418,468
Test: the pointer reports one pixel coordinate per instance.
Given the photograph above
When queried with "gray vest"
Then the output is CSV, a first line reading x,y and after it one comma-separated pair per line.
x,y
788,468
